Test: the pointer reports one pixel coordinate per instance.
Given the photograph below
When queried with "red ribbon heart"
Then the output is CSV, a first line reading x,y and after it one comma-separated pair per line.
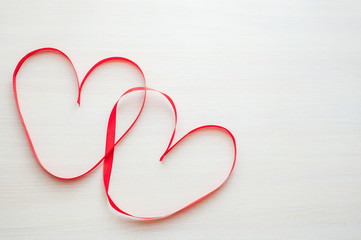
x,y
110,140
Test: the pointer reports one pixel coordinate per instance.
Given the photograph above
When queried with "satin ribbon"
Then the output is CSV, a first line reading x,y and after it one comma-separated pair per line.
x,y
107,159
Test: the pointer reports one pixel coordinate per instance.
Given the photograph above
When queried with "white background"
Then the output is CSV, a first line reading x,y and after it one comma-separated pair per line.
x,y
283,76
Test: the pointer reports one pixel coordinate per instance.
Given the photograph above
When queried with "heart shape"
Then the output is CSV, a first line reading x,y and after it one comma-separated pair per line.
x,y
110,143
110,139
80,87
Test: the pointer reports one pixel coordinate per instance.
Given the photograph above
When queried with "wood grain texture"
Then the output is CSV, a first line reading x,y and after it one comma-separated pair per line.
x,y
284,76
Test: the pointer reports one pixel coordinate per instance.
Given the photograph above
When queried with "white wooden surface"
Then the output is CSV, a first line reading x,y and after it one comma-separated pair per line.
x,y
284,76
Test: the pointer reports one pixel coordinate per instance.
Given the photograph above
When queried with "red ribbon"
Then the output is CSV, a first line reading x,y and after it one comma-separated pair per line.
x,y
110,140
